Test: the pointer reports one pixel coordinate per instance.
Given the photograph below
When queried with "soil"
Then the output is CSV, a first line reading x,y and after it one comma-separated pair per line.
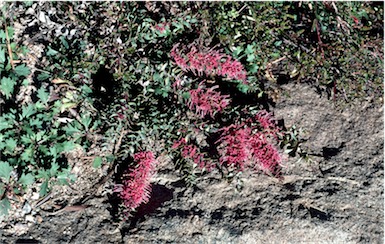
x,y
337,198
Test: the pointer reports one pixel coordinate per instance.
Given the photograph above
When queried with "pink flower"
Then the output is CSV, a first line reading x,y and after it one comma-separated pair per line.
x,y
162,27
136,189
207,101
233,69
209,62
179,60
267,123
192,152
243,145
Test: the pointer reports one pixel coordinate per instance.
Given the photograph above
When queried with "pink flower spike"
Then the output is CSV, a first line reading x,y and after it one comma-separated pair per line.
x,y
207,101
137,188
209,62
242,145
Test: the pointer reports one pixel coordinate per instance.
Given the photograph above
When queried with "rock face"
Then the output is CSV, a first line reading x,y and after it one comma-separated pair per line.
x,y
337,198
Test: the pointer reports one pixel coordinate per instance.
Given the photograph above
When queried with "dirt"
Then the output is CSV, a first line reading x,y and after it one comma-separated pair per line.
x,y
337,198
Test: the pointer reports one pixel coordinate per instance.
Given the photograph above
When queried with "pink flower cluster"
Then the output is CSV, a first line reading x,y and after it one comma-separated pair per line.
x,y
136,189
191,152
243,145
207,101
209,62
267,123
162,27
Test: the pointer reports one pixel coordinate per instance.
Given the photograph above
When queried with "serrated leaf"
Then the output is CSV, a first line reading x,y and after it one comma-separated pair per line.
x,y
54,169
26,179
44,188
42,174
86,121
22,70
5,206
27,111
43,76
11,144
53,151
6,86
4,124
27,155
70,129
25,139
97,162
5,171
43,95
68,146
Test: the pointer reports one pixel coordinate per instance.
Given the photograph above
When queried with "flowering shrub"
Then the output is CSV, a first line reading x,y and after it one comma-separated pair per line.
x,y
136,189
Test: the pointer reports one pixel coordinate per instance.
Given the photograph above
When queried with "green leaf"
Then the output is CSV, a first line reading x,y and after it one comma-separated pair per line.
x,y
68,146
70,129
51,52
43,174
110,158
64,42
22,70
6,86
3,36
27,111
86,121
11,144
43,76
278,43
97,162
11,30
27,155
249,49
26,179
186,95
253,68
237,52
44,188
2,55
243,88
54,169
5,171
5,206
43,95
36,122
4,124
53,151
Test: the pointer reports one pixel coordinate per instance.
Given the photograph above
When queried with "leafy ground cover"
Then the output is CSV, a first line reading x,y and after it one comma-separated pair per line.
x,y
102,100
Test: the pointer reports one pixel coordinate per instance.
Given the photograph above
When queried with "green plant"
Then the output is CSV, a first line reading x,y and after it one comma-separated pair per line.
x,y
34,131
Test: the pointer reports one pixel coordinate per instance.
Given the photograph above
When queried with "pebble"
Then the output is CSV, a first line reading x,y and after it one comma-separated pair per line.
x,y
30,218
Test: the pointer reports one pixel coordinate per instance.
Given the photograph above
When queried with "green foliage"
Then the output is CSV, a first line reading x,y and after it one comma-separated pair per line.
x,y
5,171
319,42
32,138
